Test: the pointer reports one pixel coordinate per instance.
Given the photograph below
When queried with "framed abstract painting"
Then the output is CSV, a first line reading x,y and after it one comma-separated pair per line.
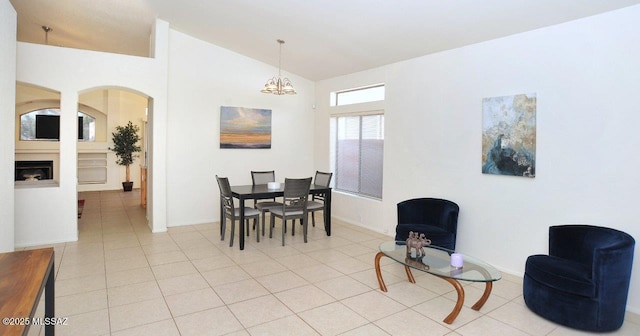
x,y
509,135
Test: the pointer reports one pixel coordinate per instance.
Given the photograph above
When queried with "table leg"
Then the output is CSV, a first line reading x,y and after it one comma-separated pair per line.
x,y
378,273
327,213
241,223
458,307
485,296
49,301
221,217
409,274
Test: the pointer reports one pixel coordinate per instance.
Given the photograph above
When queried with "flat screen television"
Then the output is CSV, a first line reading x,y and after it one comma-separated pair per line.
x,y
48,127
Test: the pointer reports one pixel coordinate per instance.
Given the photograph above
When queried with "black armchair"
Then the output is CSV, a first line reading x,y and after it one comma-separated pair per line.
x,y
584,281
436,218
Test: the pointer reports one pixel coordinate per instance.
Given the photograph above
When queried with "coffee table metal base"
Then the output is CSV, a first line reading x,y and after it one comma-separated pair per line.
x,y
458,307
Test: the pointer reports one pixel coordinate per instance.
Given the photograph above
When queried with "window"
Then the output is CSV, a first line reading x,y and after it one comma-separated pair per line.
x,y
86,127
357,144
44,124
357,95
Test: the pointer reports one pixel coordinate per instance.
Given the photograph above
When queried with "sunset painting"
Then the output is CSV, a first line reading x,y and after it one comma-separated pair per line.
x,y
242,127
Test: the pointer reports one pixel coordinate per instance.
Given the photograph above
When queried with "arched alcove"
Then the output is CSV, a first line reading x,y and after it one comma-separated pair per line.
x,y
31,97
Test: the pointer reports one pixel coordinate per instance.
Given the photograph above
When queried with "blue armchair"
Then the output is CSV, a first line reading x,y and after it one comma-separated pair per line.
x,y
436,218
584,281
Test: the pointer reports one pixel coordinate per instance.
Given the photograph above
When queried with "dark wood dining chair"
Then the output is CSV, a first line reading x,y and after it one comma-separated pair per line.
x,y
229,211
317,201
263,177
264,206
294,206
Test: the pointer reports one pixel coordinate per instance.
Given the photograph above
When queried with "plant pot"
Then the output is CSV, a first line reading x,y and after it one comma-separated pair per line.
x,y
127,186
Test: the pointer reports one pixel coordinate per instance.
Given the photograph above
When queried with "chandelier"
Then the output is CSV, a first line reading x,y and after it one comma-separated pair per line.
x,y
278,85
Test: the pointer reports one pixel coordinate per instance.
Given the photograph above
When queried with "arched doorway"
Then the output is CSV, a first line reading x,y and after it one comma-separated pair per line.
x,y
97,168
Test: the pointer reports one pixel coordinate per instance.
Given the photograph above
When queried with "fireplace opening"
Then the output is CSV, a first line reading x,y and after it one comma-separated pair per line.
x,y
34,170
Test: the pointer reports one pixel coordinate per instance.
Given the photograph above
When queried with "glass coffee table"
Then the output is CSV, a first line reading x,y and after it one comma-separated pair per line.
x,y
437,261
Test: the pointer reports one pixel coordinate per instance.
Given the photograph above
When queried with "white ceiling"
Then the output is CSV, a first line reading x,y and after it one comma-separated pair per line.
x,y
324,38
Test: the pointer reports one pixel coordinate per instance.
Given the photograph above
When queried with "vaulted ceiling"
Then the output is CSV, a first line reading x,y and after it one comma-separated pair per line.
x,y
324,38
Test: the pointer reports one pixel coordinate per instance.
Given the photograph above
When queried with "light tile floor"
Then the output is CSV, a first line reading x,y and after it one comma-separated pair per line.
x,y
120,279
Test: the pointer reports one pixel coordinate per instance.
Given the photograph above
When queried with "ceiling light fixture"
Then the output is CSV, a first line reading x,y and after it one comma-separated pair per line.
x,y
278,85
46,29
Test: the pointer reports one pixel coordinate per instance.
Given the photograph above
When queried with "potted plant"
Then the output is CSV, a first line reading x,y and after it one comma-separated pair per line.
x,y
125,145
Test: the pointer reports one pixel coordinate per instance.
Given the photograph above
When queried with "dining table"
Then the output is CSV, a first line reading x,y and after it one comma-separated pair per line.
x,y
262,191
24,276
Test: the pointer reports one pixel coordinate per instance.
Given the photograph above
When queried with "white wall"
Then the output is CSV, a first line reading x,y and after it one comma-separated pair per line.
x,y
203,77
586,74
70,72
8,24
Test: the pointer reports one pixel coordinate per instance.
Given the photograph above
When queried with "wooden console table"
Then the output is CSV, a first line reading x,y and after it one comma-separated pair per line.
x,y
23,277
143,186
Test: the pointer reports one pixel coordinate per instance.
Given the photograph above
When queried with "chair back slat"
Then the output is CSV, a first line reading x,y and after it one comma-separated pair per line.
x,y
296,192
263,177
